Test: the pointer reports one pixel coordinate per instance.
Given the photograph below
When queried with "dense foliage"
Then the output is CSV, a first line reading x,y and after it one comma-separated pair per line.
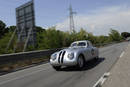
x,y
3,29
52,38
114,35
125,34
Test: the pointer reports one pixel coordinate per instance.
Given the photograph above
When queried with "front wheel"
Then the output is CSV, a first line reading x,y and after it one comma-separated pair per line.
x,y
57,68
96,58
80,62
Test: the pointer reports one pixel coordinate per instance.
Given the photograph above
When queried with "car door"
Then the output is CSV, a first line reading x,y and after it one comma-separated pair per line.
x,y
88,51
92,52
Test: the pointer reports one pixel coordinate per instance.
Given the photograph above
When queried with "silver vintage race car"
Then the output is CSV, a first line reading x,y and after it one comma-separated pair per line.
x,y
76,55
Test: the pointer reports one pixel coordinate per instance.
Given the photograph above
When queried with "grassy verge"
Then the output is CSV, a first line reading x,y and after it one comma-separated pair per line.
x,y
20,64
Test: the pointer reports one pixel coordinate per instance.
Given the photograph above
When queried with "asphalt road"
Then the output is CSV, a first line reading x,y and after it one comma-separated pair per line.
x,y
45,76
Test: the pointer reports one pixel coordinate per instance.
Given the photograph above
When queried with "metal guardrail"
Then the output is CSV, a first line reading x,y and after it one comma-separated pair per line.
x,y
26,55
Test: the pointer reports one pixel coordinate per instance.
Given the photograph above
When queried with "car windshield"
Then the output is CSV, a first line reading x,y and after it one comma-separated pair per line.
x,y
78,44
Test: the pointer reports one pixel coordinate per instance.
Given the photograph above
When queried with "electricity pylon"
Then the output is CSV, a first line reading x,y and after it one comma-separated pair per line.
x,y
72,26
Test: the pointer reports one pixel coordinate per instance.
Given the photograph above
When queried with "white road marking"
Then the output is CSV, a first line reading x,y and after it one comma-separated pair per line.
x,y
122,54
22,76
101,80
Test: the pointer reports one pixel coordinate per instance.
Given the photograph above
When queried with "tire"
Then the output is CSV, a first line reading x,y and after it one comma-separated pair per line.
x,y
80,62
57,68
96,58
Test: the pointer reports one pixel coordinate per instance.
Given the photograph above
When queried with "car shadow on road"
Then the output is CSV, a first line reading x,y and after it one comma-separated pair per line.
x,y
88,65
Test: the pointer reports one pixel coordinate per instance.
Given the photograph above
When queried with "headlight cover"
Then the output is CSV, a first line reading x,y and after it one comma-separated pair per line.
x,y
71,55
53,57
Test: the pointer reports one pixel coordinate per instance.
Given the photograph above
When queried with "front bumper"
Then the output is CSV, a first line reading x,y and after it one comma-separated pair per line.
x,y
66,62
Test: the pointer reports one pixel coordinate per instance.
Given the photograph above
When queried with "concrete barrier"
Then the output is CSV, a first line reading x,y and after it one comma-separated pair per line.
x,y
26,55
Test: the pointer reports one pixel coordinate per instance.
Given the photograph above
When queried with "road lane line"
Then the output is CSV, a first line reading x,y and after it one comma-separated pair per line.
x,y
101,80
31,73
122,54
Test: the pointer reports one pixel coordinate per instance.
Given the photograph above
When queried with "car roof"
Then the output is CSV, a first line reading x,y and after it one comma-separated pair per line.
x,y
81,41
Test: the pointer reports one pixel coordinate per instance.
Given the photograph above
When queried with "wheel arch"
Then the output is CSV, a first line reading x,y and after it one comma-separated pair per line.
x,y
81,54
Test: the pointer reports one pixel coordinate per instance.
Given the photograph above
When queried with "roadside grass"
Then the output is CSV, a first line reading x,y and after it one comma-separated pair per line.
x,y
10,66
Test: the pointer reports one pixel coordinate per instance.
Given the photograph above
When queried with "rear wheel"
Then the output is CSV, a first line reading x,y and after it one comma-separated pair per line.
x,y
57,68
80,62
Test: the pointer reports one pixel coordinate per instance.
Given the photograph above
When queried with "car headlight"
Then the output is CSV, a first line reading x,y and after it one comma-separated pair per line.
x,y
53,57
70,55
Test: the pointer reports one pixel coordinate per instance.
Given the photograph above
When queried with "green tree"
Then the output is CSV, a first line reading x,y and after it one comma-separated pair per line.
x,y
67,39
40,37
39,29
12,28
51,38
3,28
114,35
3,42
82,34
125,34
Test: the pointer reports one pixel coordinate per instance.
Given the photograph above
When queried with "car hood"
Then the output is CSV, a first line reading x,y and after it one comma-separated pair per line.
x,y
72,49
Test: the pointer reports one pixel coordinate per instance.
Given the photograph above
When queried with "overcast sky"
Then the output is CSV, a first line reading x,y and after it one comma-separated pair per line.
x,y
96,16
